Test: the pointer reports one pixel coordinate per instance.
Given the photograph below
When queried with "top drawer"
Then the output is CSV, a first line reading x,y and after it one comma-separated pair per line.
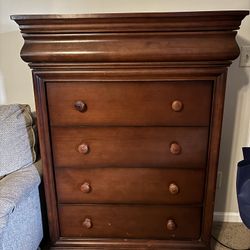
x,y
130,103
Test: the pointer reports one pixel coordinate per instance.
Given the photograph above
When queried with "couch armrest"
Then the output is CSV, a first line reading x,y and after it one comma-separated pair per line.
x,y
14,188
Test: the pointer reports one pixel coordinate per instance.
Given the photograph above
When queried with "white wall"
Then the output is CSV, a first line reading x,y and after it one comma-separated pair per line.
x,y
16,84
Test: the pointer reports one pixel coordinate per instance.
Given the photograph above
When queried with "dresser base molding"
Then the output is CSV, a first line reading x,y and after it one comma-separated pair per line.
x,y
97,244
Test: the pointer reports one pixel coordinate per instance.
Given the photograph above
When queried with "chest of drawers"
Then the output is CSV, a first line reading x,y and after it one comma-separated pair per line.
x,y
129,113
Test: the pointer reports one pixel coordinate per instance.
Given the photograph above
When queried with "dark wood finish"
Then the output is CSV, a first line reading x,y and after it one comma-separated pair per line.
x,y
213,150
123,185
155,22
130,147
129,115
130,103
130,221
93,42
127,244
46,155
93,48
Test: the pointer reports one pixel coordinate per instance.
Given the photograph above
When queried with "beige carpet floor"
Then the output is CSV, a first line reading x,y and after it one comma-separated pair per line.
x,y
235,235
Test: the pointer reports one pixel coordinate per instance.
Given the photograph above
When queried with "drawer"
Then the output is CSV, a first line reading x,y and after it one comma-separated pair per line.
x,y
128,185
130,146
134,103
111,221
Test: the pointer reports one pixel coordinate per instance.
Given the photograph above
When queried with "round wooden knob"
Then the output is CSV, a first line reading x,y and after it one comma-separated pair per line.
x,y
80,106
175,148
85,187
177,105
83,148
87,223
171,225
173,188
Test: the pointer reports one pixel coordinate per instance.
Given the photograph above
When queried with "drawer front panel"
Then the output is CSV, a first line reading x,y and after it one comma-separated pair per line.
x,y
130,147
128,104
128,185
158,222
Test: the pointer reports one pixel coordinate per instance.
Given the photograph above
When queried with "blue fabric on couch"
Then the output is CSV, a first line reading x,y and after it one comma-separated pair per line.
x,y
20,212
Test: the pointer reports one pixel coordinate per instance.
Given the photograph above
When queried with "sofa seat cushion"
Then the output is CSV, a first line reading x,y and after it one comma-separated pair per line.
x,y
17,138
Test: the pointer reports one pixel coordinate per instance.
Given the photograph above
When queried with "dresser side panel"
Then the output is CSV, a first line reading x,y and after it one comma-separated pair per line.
x,y
45,149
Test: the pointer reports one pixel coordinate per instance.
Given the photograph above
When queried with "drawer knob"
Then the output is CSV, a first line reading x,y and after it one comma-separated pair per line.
x,y
87,223
83,148
177,106
173,188
80,106
171,225
175,148
85,187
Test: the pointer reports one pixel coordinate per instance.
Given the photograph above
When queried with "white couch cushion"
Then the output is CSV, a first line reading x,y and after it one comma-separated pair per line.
x,y
17,138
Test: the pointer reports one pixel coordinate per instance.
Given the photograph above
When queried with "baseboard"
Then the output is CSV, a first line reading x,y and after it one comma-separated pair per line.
x,y
227,217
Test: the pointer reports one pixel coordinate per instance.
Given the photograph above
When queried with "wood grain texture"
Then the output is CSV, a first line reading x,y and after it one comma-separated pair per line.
x,y
115,22
46,156
130,72
131,47
127,244
213,150
130,147
130,221
130,109
123,185
130,103
126,37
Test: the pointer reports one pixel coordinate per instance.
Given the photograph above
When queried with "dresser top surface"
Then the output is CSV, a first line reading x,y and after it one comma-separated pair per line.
x,y
194,14
131,22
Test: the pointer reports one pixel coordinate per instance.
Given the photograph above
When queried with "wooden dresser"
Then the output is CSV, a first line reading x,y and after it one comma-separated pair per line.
x,y
129,111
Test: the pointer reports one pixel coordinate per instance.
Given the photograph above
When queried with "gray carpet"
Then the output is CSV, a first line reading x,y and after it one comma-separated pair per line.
x,y
235,235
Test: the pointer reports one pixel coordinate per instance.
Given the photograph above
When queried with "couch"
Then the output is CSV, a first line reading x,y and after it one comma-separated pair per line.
x,y
20,212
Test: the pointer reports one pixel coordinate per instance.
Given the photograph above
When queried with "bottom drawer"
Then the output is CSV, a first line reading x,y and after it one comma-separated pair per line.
x,y
123,221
